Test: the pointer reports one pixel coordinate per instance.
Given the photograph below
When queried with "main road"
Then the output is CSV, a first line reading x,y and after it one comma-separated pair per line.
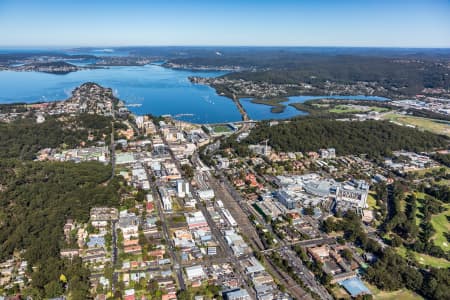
x,y
233,202
175,259
227,250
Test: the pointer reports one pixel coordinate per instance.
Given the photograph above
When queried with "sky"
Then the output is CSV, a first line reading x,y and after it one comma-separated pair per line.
x,y
356,23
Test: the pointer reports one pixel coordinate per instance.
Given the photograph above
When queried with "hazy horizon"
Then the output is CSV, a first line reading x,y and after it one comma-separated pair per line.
x,y
116,47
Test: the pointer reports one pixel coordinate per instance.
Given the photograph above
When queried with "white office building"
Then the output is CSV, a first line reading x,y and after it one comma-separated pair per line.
x,y
207,194
165,197
182,188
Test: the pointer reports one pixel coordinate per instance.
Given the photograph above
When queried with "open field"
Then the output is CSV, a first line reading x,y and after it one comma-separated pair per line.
x,y
379,109
320,105
443,182
371,201
340,293
440,222
435,126
340,109
425,259
419,198
402,294
221,129
423,172
441,225
356,109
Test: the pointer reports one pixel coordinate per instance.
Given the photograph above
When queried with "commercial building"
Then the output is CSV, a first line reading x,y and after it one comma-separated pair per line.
x,y
229,217
206,194
236,243
182,188
237,294
125,158
165,197
196,220
128,223
353,194
313,190
195,272
285,199
319,188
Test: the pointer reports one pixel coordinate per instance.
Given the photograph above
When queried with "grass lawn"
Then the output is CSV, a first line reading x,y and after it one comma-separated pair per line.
x,y
176,206
371,201
443,182
320,105
425,259
432,261
379,109
441,225
403,294
340,109
419,198
435,126
423,172
439,222
221,129
340,293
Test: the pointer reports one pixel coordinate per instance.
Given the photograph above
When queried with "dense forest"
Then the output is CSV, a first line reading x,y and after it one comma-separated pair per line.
x,y
35,201
36,198
442,158
374,138
392,272
284,57
24,137
411,76
408,72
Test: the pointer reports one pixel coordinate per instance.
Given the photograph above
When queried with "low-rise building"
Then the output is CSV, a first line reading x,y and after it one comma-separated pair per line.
x,y
195,273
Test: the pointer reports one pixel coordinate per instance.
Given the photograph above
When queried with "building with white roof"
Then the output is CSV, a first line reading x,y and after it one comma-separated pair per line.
x,y
195,272
206,194
196,220
165,197
238,294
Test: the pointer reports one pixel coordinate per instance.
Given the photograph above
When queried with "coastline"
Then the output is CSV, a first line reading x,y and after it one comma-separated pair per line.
x,y
278,105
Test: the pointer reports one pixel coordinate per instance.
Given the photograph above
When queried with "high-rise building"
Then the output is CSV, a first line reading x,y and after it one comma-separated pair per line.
x,y
182,188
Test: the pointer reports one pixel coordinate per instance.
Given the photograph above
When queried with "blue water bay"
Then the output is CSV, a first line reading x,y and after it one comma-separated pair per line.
x,y
156,90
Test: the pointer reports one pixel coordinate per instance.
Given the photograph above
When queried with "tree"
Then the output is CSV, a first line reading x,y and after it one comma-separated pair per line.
x,y
328,225
38,210
152,286
53,289
184,295
309,211
188,171
374,138
347,254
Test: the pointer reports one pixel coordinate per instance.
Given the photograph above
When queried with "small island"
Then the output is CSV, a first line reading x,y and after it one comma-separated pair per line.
x,y
56,67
